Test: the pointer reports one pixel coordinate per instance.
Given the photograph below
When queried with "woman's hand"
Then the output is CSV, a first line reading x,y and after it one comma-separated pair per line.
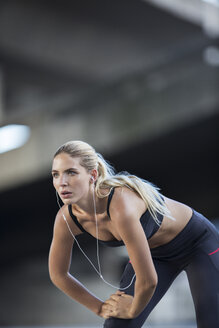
x,y
118,306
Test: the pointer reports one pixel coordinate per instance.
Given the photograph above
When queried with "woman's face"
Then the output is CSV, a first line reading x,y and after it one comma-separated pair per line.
x,y
70,179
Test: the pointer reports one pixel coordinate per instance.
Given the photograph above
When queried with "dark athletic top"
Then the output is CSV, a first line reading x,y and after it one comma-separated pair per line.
x,y
147,222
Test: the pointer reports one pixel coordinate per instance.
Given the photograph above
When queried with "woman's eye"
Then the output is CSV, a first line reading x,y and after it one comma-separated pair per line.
x,y
71,172
55,175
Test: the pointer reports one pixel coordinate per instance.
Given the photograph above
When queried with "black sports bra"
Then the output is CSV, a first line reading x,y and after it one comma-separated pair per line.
x,y
147,222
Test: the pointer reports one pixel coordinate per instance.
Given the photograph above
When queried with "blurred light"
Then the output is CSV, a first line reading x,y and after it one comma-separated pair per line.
x,y
213,2
211,56
13,136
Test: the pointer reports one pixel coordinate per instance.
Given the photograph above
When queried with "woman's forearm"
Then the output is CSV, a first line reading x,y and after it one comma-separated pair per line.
x,y
142,296
74,289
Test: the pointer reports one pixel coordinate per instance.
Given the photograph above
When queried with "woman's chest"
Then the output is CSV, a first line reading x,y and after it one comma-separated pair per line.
x,y
101,228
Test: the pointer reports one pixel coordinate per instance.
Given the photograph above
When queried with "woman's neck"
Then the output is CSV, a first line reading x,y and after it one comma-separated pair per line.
x,y
86,206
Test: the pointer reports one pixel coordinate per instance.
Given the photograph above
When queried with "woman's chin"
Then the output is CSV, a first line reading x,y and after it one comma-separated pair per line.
x,y
67,201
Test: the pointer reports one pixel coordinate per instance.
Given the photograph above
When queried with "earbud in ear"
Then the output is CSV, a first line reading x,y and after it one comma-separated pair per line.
x,y
92,179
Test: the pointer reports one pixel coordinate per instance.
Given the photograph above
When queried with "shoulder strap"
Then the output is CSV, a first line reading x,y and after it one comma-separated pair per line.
x,y
75,219
109,201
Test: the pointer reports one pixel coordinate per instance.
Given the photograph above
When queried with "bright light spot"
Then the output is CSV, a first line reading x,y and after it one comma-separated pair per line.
x,y
211,56
213,2
13,136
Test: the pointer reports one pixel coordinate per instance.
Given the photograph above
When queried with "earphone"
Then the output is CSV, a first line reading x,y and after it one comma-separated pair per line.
x,y
98,271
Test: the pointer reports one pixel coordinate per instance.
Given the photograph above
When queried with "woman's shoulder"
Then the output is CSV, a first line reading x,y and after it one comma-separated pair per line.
x,y
64,220
125,200
125,192
118,193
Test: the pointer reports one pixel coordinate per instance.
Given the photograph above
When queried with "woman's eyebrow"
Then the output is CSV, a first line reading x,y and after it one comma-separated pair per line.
x,y
69,169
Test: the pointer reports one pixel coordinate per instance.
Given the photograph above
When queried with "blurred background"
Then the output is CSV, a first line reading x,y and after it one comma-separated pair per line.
x,y
139,80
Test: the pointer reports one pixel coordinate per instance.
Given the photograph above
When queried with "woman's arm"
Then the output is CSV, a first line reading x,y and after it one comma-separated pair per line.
x,y
60,260
125,215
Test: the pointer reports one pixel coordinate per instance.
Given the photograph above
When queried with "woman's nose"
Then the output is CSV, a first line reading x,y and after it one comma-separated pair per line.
x,y
63,181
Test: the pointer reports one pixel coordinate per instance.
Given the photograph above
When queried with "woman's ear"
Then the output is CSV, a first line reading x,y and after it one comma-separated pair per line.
x,y
94,175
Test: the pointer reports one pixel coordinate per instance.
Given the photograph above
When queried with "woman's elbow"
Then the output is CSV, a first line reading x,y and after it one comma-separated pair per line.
x,y
57,277
54,277
153,281
149,287
150,283
153,284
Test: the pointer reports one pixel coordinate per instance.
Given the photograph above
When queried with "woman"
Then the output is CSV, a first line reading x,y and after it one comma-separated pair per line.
x,y
162,237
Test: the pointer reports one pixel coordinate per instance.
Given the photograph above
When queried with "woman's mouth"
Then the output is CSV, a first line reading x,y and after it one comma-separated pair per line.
x,y
66,194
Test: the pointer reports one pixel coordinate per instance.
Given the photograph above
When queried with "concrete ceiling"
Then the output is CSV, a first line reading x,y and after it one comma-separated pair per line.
x,y
204,13
111,72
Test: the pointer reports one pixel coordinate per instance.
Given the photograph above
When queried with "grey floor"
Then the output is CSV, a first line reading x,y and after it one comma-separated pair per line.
x,y
145,326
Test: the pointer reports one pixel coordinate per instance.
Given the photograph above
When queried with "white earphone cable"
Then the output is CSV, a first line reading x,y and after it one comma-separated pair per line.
x,y
98,271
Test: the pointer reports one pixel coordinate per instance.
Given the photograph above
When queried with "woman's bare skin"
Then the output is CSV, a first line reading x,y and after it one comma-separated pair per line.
x,y
106,230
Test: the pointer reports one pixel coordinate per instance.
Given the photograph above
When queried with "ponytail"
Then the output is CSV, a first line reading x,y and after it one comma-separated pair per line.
x,y
107,178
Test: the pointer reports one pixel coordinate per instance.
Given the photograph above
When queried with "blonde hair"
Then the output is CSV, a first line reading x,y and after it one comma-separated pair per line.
x,y
108,178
